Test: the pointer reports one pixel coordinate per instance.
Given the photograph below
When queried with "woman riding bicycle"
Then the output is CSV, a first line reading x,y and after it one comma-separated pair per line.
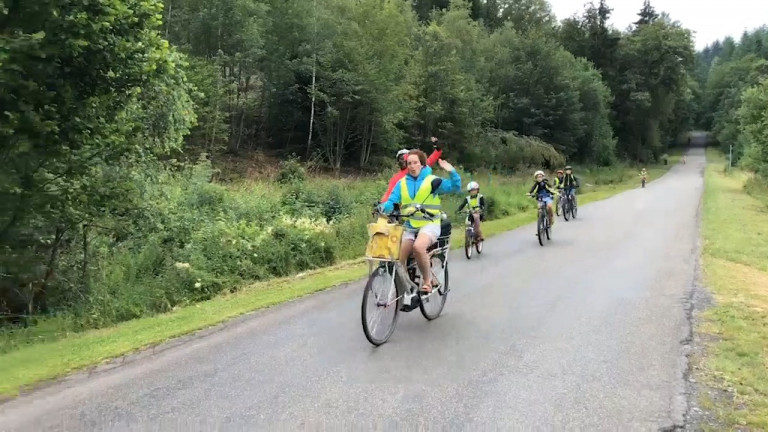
x,y
420,187
402,164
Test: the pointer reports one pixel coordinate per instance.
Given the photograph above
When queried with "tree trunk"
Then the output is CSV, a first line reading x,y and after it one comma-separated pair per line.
x,y
214,124
84,266
168,20
242,113
314,74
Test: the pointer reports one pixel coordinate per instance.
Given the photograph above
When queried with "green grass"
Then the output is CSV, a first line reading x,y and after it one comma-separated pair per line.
x,y
29,365
735,264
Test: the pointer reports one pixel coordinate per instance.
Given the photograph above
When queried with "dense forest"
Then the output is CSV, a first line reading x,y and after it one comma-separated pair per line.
x,y
346,83
114,109
733,97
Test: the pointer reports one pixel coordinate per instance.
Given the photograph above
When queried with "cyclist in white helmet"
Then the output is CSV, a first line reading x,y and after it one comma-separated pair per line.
x,y
476,202
542,189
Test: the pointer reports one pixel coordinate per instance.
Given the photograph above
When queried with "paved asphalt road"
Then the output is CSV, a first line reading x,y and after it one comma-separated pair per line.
x,y
586,333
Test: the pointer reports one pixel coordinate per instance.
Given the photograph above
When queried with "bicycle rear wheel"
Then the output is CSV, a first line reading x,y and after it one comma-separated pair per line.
x,y
566,209
479,247
381,305
432,304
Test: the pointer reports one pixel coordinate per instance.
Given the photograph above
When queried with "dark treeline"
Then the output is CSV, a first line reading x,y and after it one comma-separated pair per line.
x,y
733,100
105,103
347,82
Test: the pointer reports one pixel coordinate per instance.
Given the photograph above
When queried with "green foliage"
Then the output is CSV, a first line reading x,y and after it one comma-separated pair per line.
x,y
647,71
733,101
753,122
90,90
509,152
291,171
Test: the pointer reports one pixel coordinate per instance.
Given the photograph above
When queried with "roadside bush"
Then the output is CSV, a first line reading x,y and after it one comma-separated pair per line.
x,y
291,171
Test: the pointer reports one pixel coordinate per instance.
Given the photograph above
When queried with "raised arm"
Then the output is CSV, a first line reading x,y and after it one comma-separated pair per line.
x,y
435,156
453,183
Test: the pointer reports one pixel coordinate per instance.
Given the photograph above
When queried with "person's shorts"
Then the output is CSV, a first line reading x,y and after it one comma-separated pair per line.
x,y
547,199
471,218
433,230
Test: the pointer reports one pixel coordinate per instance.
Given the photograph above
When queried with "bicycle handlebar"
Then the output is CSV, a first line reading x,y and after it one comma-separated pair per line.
x,y
538,197
398,216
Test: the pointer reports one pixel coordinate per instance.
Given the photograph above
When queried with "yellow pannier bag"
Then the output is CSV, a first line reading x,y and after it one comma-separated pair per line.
x,y
384,240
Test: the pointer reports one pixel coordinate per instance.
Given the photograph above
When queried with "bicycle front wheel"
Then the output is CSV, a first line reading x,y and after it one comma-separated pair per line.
x,y
468,240
381,305
566,209
432,304
540,227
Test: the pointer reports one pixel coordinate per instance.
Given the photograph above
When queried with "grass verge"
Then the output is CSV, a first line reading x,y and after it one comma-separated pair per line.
x,y
20,369
735,264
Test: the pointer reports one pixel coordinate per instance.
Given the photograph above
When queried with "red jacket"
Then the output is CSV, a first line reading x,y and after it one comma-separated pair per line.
x,y
399,175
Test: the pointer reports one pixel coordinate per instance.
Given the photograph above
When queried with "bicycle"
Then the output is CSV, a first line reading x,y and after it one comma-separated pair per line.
x,y
470,239
643,180
568,201
543,223
401,287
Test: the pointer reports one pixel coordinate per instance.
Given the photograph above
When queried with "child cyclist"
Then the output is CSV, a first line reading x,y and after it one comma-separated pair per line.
x,y
541,189
476,202
559,177
570,183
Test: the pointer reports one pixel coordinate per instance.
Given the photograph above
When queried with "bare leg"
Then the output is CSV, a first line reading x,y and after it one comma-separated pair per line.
x,y
477,226
423,241
551,216
406,246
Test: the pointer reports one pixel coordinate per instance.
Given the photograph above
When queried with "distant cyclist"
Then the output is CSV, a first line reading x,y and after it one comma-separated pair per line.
x,y
542,190
403,164
570,183
476,202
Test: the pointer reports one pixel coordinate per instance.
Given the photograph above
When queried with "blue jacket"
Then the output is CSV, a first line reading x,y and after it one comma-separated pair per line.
x,y
450,185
